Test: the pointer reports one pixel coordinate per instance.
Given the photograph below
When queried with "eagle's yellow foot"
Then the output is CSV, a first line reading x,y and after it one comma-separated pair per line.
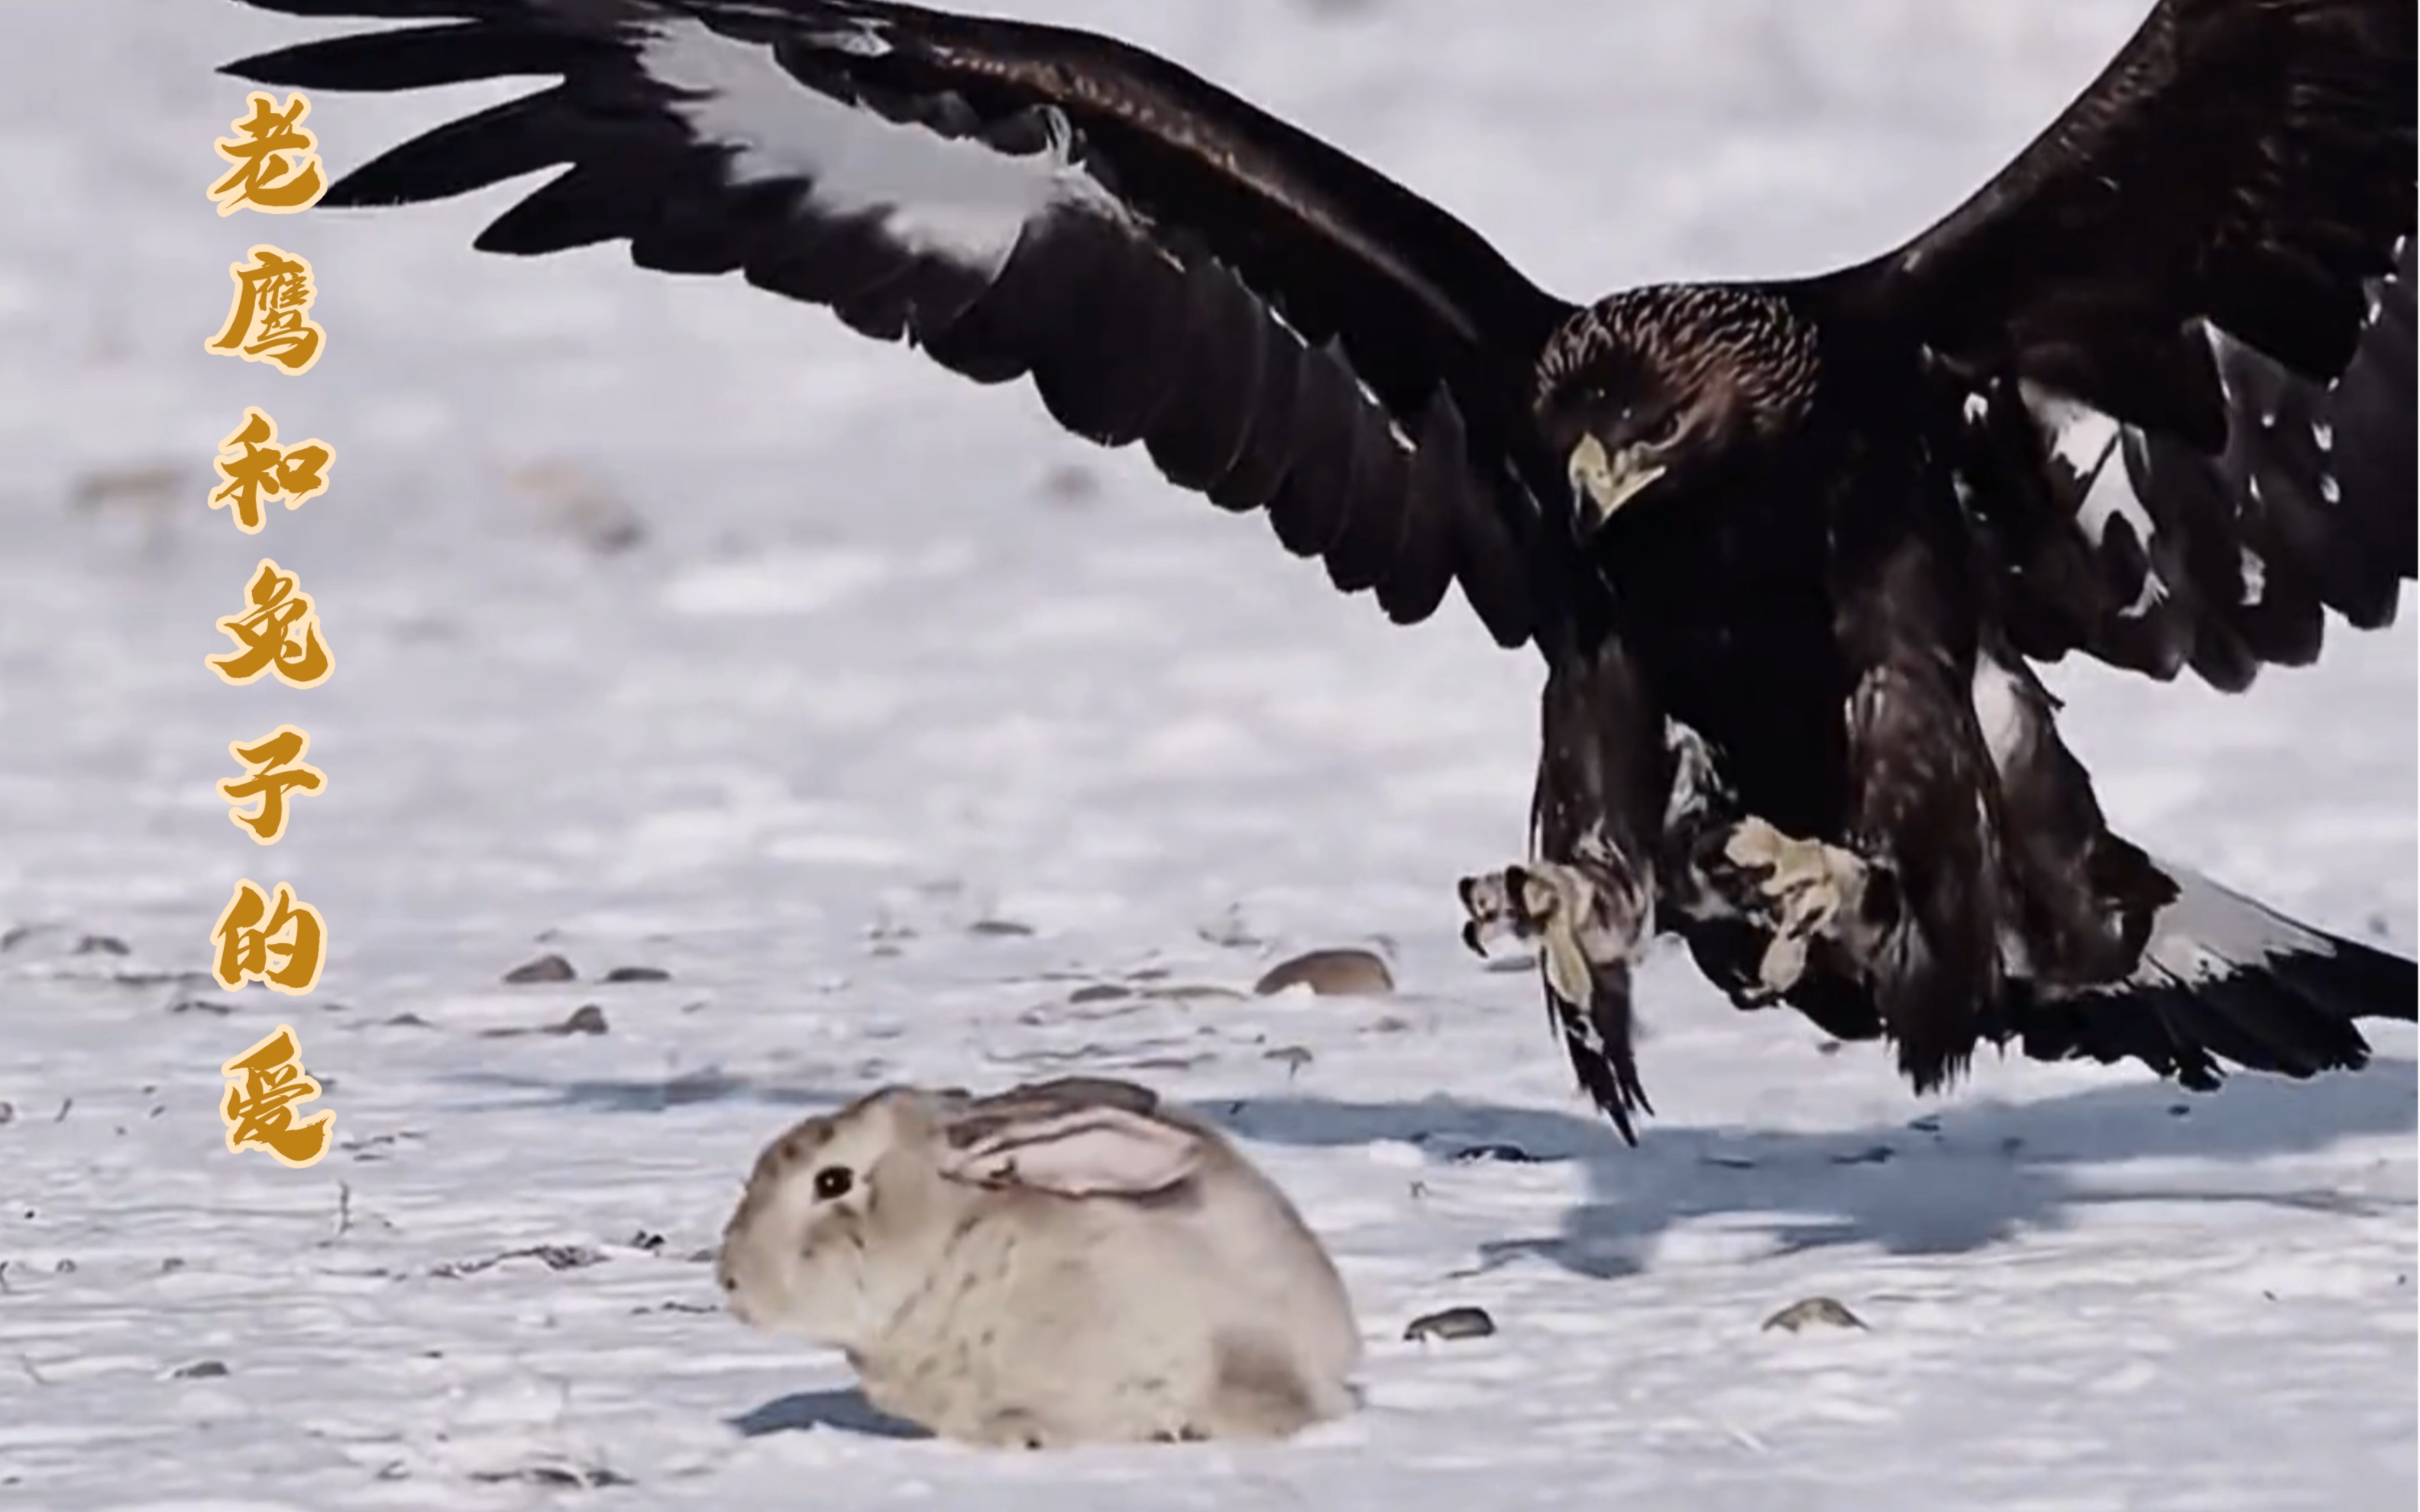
x,y
1798,890
1542,901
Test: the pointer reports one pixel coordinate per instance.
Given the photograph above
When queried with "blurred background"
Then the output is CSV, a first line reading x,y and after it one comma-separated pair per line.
x,y
663,594
675,625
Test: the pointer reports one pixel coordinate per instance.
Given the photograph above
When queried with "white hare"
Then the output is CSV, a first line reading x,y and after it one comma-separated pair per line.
x,y
1068,1261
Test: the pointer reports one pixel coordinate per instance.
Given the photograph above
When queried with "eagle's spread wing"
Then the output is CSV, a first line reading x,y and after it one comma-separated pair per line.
x,y
2187,313
1280,326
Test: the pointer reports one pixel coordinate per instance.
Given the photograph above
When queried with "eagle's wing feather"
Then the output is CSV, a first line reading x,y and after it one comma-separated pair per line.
x,y
1280,326
2186,312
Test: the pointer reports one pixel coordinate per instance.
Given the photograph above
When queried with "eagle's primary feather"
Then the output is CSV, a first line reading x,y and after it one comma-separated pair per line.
x,y
1787,549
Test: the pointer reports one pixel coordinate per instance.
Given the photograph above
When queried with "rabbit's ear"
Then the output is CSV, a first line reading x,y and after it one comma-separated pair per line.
x,y
1063,1094
1105,1092
1081,1152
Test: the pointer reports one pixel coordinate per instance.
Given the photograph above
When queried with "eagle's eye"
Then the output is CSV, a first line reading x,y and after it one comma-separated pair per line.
x,y
1662,431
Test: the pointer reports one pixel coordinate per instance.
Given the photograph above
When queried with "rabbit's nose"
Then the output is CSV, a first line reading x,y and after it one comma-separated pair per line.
x,y
731,1298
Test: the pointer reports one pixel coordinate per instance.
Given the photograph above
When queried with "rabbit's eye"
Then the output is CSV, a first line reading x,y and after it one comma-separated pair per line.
x,y
832,1182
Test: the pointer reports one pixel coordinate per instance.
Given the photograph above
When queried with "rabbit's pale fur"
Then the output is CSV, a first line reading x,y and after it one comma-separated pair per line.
x,y
1065,1262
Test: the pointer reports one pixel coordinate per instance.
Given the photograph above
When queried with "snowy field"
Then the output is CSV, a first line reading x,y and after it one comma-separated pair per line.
x,y
676,627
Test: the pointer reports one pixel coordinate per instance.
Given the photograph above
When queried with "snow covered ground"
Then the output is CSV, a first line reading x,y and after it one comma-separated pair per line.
x,y
904,718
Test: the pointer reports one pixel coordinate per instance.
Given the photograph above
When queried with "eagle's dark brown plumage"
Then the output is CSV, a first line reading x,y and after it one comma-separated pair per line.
x,y
1787,547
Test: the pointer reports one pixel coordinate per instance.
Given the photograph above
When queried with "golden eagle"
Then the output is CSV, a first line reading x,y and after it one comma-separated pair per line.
x,y
1787,547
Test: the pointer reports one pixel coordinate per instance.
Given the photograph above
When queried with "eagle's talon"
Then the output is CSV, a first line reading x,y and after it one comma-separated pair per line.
x,y
1545,901
1500,903
1795,890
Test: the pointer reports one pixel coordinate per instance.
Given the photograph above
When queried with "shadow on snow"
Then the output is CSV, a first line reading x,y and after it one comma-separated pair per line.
x,y
1949,1183
844,1408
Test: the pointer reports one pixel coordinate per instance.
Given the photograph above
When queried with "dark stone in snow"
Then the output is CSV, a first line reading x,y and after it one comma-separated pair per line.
x,y
1813,1310
593,1477
586,1019
1451,1323
1513,1154
1870,1155
1346,973
545,968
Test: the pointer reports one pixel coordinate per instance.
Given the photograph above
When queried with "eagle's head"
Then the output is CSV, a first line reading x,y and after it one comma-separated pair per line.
x,y
1655,387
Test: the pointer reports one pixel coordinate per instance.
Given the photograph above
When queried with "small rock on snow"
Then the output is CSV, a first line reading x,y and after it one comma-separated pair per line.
x,y
1811,1311
545,968
586,1019
1495,1152
1346,973
1451,1323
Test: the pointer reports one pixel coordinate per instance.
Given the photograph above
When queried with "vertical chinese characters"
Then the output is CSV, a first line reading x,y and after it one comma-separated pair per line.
x,y
264,1083
280,633
262,179
279,941
252,465
270,936
273,764
269,319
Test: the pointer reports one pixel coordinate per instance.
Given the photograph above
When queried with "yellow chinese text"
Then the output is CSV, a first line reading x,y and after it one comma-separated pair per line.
x,y
280,633
269,318
253,464
263,179
279,940
273,764
264,1083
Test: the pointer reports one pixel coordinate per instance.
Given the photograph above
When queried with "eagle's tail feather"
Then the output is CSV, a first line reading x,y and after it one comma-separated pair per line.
x,y
2224,979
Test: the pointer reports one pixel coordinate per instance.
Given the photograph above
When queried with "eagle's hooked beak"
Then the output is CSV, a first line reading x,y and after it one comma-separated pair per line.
x,y
1607,482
